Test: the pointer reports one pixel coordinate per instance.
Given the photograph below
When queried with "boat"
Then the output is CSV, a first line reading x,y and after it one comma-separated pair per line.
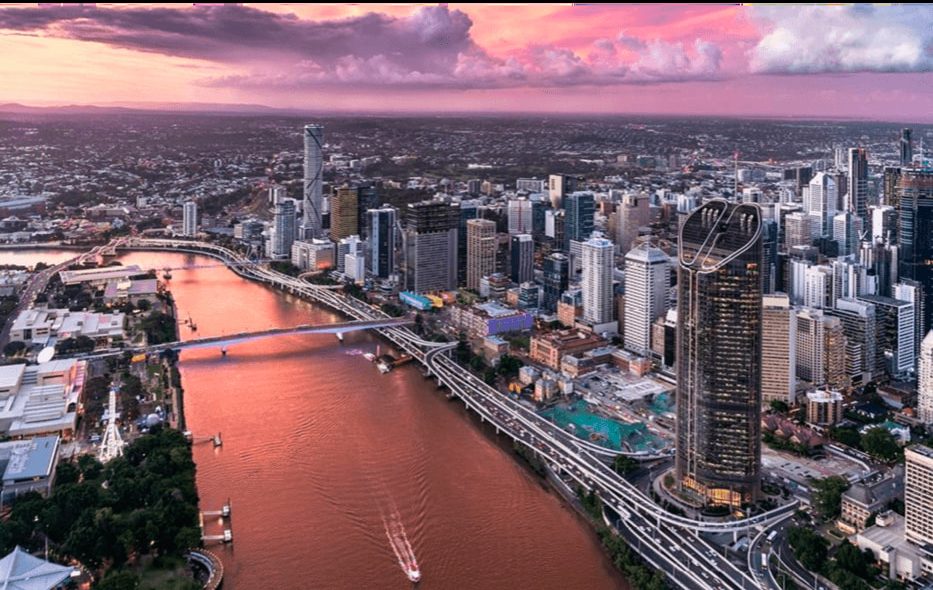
x,y
167,275
369,356
395,532
383,367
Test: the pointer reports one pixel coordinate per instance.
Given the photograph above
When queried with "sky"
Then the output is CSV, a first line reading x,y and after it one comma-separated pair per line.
x,y
846,61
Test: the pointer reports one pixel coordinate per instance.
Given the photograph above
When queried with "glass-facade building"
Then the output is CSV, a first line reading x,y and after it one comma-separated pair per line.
x,y
719,310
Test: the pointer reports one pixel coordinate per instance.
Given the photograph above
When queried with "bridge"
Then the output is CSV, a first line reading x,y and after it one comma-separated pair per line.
x,y
669,542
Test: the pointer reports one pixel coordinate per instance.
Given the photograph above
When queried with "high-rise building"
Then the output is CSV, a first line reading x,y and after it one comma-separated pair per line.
x,y
597,281
891,178
912,291
847,231
579,207
719,309
859,326
821,349
521,258
925,381
918,495
556,279
647,281
823,200
283,229
469,209
797,230
915,234
520,216
883,224
895,332
344,213
882,259
382,238
277,193
189,221
818,286
530,185
778,349
349,246
560,185
481,251
367,198
430,246
857,196
906,147
313,181
769,256
632,213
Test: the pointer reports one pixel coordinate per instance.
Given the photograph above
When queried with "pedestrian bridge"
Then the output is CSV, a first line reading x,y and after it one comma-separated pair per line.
x,y
238,338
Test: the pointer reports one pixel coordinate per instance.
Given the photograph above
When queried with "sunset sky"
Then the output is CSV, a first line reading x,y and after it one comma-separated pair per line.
x,y
824,61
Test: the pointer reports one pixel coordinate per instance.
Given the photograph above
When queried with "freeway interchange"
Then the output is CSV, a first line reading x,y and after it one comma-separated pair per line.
x,y
669,542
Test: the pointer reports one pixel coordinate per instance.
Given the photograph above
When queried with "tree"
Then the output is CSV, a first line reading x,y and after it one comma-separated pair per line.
x,y
827,494
509,366
850,558
624,464
779,407
880,443
144,305
847,436
14,348
122,580
808,546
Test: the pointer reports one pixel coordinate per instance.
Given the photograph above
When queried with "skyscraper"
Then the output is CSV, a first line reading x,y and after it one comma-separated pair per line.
x,y
481,251
823,200
580,208
469,209
556,279
925,381
189,222
778,349
560,185
857,196
382,238
430,246
821,349
907,147
918,495
859,326
915,234
647,280
283,229
632,213
597,280
895,332
719,309
313,181
521,258
520,216
344,213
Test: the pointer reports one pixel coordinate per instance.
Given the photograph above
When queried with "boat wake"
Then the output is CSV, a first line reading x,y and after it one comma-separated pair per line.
x,y
398,540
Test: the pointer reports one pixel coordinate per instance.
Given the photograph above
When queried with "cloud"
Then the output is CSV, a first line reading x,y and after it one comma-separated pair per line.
x,y
431,47
860,38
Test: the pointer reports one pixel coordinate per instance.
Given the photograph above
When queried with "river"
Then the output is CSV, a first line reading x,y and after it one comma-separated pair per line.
x,y
319,446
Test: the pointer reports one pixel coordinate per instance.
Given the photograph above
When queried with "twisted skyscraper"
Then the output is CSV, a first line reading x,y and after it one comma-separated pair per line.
x,y
314,181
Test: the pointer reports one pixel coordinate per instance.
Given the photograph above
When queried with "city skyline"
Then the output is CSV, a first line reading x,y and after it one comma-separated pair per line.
x,y
713,60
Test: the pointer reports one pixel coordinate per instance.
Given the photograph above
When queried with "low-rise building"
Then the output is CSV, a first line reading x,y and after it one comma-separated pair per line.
x,y
40,399
128,290
824,407
45,327
548,348
484,319
98,277
887,543
28,466
867,497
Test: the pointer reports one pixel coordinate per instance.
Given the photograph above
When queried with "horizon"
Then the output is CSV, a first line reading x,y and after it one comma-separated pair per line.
x,y
842,62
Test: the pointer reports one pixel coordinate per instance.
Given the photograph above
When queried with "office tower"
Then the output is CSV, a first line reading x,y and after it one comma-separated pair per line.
x,y
520,216
847,278
344,213
474,186
469,209
313,181
597,280
382,238
859,325
632,213
895,333
189,222
797,230
839,158
823,200
912,292
539,208
918,495
367,198
847,231
769,255
556,279
778,349
882,259
891,178
522,258
283,229
799,177
925,381
719,307
528,295
575,254
349,246
915,234
857,194
907,147
481,251
430,246
821,349
277,193
818,287
579,208
560,185
647,281
883,224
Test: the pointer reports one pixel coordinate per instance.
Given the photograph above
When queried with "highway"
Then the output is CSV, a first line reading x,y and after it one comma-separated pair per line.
x,y
670,542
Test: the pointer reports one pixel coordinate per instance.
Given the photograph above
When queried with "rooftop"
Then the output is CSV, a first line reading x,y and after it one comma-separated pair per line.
x,y
28,459
21,571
